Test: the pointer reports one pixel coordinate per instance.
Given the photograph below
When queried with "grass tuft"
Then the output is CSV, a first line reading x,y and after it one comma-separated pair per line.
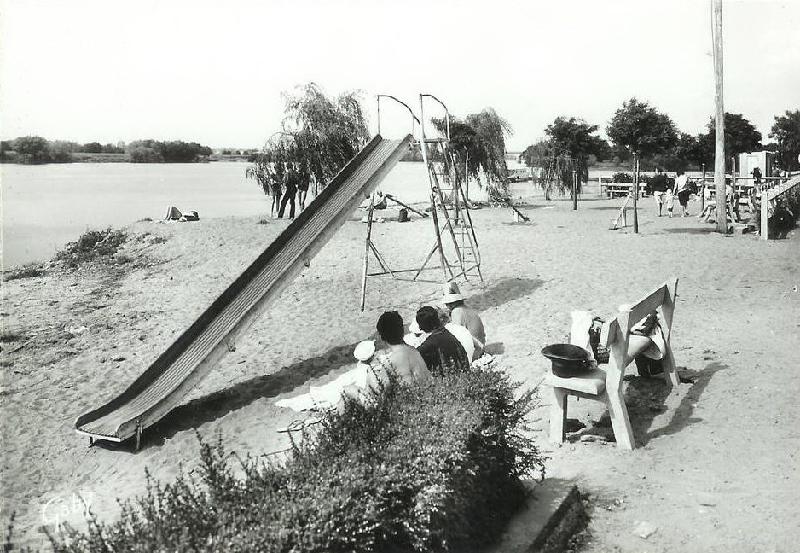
x,y
91,246
31,270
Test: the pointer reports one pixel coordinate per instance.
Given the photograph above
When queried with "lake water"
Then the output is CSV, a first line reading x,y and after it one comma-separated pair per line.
x,y
45,206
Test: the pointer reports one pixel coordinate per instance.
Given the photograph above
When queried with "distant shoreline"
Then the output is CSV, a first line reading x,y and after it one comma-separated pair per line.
x,y
125,158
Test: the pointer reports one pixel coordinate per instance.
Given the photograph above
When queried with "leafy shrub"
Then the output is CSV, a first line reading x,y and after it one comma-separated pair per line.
x,y
31,270
621,177
435,467
659,182
92,245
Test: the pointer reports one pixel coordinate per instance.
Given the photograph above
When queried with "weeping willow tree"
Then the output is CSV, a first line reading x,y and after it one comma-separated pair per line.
x,y
565,151
269,167
477,146
555,166
319,135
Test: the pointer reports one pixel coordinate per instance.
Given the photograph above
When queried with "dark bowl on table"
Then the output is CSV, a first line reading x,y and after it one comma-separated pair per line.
x,y
568,360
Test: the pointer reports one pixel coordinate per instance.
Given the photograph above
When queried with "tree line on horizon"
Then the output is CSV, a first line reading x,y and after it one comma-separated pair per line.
x,y
36,150
638,129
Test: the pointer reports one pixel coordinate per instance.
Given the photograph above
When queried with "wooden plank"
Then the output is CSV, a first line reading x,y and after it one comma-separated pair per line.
x,y
773,193
648,304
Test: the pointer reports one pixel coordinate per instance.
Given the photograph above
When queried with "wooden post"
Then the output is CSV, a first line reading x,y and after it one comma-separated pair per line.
x,y
574,190
379,126
719,158
466,179
764,214
703,189
367,243
635,193
442,258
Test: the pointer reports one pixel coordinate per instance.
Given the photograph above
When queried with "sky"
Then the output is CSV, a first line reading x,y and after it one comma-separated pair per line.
x,y
214,72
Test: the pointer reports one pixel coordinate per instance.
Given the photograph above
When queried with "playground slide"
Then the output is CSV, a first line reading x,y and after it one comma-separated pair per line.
x,y
200,348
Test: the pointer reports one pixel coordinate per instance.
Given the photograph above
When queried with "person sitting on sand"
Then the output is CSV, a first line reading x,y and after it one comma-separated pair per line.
x,y
407,363
417,336
465,316
440,349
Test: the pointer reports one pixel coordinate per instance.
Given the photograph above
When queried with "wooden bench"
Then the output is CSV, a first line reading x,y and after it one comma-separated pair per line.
x,y
615,189
606,385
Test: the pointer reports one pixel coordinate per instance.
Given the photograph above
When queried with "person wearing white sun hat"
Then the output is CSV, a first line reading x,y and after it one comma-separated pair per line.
x,y
465,316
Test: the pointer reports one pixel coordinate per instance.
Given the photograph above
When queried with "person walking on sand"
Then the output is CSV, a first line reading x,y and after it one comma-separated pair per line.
x,y
440,349
465,316
683,191
659,187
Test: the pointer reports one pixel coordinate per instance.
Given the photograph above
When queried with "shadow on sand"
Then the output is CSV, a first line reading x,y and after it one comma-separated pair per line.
x,y
690,230
645,398
502,291
218,404
605,207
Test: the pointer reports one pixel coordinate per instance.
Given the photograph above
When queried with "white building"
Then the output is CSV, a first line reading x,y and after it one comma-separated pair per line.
x,y
749,161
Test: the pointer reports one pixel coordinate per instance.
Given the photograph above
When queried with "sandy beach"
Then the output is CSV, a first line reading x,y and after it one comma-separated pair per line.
x,y
717,466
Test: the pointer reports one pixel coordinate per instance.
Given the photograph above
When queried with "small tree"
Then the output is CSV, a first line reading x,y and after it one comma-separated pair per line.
x,y
32,149
320,135
643,131
786,132
478,146
740,137
571,140
328,132
490,131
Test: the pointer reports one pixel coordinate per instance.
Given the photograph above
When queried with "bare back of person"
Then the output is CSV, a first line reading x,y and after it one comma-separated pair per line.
x,y
405,361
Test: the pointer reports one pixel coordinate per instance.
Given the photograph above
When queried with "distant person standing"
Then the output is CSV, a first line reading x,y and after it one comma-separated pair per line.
x,y
756,175
289,195
302,187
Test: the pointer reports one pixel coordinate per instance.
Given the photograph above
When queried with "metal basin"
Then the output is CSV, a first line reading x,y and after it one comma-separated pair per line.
x,y
567,360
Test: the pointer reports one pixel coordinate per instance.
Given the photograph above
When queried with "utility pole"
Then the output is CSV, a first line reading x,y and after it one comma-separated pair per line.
x,y
719,158
635,192
703,189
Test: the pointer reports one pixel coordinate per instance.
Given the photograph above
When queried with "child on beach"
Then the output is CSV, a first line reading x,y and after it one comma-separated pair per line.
x,y
669,200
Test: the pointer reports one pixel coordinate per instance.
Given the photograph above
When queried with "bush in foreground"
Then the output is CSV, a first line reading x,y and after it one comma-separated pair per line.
x,y
430,468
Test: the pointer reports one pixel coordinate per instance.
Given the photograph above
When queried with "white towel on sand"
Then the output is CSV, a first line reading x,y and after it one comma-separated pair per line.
x,y
579,332
328,395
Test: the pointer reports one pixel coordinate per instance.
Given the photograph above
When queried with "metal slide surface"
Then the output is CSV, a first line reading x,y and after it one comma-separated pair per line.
x,y
166,382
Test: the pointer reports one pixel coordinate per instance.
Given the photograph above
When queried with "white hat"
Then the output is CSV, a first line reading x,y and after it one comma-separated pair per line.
x,y
451,293
414,327
364,350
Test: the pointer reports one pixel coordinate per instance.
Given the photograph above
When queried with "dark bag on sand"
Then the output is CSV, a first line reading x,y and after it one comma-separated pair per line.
x,y
402,216
601,354
649,367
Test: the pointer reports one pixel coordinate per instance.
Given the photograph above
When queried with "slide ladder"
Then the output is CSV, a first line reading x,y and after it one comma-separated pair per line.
x,y
200,348
449,200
